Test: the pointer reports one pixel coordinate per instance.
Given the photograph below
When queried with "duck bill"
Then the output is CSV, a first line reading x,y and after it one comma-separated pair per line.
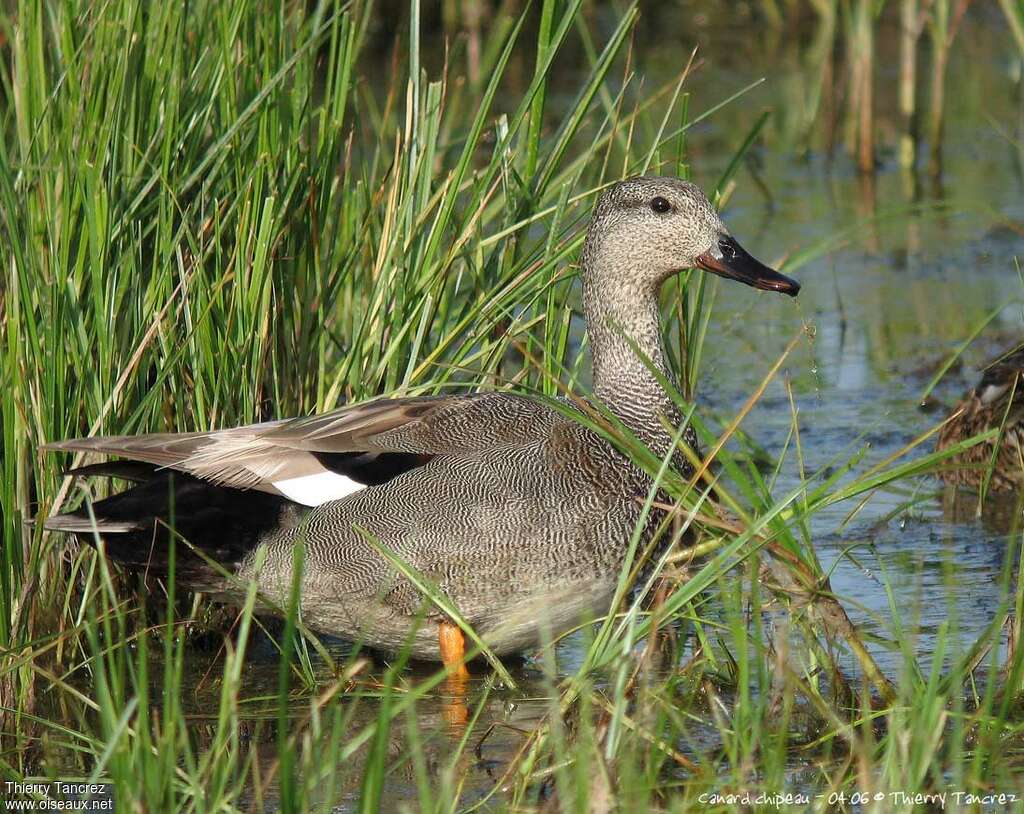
x,y
730,259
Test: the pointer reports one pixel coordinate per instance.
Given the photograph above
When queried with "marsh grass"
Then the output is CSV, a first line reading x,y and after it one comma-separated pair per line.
x,y
212,214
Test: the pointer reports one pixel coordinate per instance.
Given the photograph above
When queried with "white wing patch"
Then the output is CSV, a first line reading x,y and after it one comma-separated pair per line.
x,y
323,487
993,392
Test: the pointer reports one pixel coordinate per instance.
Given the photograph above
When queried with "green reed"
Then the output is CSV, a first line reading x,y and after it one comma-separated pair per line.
x,y
215,213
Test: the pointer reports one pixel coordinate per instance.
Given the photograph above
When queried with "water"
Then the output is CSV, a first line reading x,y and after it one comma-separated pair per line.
x,y
921,261
887,309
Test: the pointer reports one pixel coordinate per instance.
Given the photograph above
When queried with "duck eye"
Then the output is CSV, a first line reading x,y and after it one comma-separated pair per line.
x,y
660,205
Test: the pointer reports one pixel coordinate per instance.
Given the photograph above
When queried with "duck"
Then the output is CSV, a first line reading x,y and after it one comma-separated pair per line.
x,y
998,397
514,511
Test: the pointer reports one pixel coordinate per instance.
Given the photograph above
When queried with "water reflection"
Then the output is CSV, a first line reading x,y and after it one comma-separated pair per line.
x,y
899,265
924,254
904,263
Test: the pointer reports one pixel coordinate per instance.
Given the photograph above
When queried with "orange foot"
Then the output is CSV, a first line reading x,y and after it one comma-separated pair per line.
x,y
453,655
453,649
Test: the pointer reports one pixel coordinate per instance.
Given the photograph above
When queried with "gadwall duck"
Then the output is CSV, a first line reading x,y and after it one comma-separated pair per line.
x,y
984,408
519,515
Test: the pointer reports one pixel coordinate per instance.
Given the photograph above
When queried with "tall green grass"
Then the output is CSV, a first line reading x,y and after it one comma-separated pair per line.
x,y
219,212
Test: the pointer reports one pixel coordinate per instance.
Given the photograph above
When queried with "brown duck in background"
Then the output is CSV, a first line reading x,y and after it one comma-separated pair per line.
x,y
985,408
520,515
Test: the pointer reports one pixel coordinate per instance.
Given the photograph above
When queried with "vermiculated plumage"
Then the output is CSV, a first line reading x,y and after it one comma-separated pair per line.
x,y
518,513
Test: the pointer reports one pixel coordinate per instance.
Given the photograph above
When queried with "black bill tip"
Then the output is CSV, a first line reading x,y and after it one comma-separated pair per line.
x,y
729,259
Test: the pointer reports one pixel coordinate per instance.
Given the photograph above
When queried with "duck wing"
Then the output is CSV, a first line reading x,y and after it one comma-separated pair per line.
x,y
317,459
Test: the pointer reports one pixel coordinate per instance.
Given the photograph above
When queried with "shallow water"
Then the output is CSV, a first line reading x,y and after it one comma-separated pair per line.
x,y
922,261
887,308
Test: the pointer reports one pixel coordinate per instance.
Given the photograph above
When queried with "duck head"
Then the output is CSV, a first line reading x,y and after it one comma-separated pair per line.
x,y
656,227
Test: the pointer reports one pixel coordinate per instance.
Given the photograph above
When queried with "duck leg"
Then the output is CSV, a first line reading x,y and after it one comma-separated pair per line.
x,y
453,649
453,655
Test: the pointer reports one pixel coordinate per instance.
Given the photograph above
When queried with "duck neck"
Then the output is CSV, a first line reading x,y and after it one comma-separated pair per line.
x,y
624,327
